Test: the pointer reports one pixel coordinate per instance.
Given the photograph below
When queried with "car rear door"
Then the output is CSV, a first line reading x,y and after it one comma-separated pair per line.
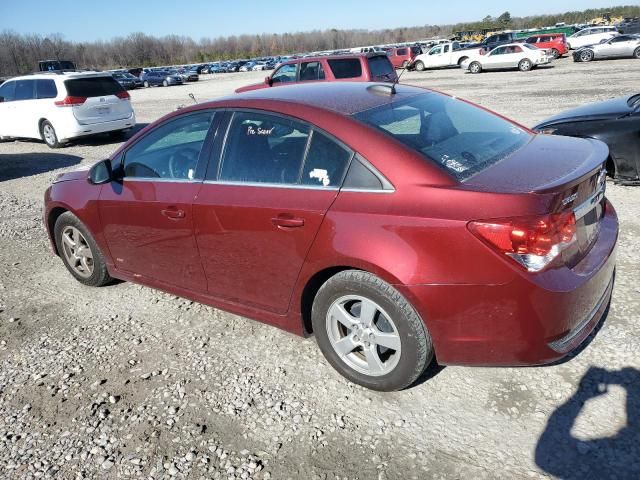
x,y
262,204
147,216
104,99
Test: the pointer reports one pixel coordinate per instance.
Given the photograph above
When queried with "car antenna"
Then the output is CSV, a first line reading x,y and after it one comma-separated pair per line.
x,y
397,80
192,97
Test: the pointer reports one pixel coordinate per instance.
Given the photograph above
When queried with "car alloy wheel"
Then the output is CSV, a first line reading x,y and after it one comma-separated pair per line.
x,y
636,52
49,135
146,84
475,67
419,66
363,335
165,83
586,56
525,65
555,53
77,252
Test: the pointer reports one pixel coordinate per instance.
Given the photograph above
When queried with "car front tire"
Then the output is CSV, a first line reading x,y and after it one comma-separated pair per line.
x,y
79,251
555,53
586,56
525,65
146,84
369,332
636,52
165,83
419,66
475,67
48,134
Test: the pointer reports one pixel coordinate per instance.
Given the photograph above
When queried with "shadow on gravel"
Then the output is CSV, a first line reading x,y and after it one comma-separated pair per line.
x,y
27,164
115,138
561,454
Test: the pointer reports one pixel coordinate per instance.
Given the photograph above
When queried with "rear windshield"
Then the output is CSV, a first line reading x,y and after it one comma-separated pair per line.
x,y
459,137
346,67
92,87
381,66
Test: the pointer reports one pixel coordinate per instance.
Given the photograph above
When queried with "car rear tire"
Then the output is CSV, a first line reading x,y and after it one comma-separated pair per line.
x,y
146,84
525,65
419,66
586,56
48,134
555,53
636,52
79,251
369,332
165,83
475,67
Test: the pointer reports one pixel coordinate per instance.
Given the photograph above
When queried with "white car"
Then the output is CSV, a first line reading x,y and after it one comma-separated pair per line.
x,y
522,56
590,36
259,66
57,107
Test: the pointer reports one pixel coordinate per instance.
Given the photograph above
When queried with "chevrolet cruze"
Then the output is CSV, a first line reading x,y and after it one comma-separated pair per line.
x,y
397,224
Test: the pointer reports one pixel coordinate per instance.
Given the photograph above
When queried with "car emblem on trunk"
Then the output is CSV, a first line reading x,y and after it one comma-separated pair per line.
x,y
569,199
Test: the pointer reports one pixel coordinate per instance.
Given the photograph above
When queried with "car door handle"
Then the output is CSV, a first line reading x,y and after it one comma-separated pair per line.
x,y
173,213
287,221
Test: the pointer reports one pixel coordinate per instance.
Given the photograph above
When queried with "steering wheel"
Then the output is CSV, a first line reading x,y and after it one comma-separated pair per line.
x,y
182,161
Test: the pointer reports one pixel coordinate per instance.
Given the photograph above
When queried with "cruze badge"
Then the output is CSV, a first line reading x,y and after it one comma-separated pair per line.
x,y
569,199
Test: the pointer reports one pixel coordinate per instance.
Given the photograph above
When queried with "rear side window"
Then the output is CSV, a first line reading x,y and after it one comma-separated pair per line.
x,y
92,87
263,148
325,163
311,71
346,67
46,89
7,91
401,51
24,90
380,66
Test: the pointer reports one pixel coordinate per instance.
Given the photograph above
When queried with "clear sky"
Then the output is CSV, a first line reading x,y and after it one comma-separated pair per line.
x,y
88,20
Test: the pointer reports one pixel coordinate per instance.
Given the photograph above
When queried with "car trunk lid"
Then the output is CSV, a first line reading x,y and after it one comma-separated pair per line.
x,y
101,102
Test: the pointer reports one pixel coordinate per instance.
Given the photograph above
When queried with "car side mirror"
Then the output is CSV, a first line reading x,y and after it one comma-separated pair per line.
x,y
268,81
101,173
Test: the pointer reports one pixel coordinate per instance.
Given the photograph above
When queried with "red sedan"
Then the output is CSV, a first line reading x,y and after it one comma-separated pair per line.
x,y
396,224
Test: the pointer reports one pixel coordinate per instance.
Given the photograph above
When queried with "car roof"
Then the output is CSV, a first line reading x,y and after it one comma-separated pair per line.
x,y
346,98
61,75
335,57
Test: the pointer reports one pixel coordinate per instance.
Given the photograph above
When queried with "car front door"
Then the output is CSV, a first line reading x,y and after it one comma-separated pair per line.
x,y
7,92
261,206
618,46
147,216
495,59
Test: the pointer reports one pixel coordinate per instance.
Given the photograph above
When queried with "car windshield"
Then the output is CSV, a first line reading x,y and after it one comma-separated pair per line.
x,y
530,47
461,138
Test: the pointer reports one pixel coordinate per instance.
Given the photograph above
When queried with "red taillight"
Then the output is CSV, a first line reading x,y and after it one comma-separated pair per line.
x,y
70,101
531,241
124,95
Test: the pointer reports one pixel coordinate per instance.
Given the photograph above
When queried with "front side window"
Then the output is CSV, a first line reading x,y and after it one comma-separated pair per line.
x,y
451,133
435,51
286,73
170,151
262,148
7,91
498,51
24,90
311,71
345,67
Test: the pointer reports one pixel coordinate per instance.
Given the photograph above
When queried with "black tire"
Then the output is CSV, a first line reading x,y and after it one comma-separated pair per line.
x,y
165,83
100,276
405,64
146,84
416,347
555,53
419,66
49,135
475,67
636,52
525,65
586,56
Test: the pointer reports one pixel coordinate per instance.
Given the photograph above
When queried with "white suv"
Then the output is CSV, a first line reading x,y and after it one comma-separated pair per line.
x,y
590,36
57,107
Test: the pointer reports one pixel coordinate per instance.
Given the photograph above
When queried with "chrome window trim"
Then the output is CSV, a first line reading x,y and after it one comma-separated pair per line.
x,y
586,206
366,190
270,185
161,180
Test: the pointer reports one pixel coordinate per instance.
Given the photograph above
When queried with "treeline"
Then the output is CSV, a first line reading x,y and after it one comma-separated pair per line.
x,y
20,53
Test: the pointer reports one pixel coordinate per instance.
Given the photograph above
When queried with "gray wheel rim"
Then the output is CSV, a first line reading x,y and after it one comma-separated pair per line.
x,y
363,335
49,134
585,56
525,65
77,252
420,66
475,68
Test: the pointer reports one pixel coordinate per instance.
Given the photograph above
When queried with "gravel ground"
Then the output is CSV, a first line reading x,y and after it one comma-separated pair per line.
x,y
130,382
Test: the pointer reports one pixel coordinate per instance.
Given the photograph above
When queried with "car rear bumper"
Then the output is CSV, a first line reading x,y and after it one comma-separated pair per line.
x,y
77,130
532,320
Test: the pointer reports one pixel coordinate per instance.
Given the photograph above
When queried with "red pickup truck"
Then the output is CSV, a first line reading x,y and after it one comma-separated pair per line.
x,y
357,67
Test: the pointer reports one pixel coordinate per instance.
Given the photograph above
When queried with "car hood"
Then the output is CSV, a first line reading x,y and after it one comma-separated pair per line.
x,y
613,108
80,173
